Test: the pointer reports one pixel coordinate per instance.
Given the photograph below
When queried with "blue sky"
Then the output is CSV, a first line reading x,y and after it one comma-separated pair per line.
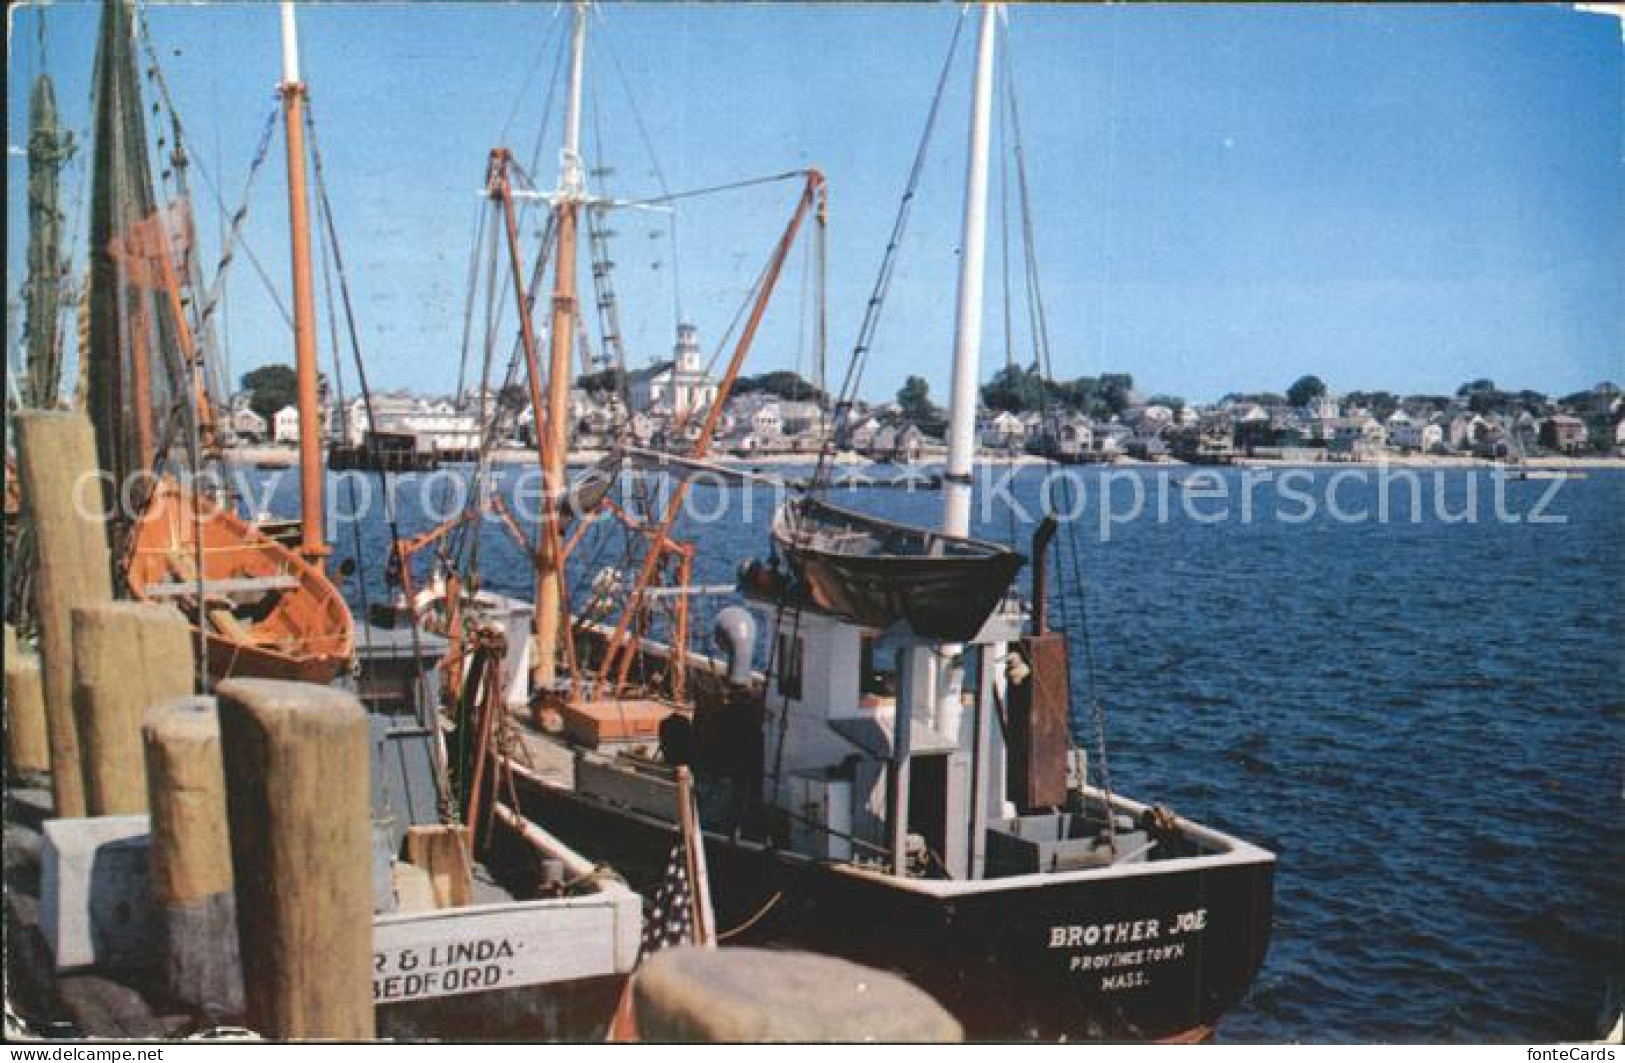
x,y
1225,197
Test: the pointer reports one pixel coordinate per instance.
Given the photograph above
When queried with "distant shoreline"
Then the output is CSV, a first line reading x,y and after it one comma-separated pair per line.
x,y
286,457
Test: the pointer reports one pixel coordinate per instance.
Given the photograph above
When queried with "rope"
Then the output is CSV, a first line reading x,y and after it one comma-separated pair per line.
x,y
228,243
1079,590
654,163
325,206
731,186
156,73
888,264
761,913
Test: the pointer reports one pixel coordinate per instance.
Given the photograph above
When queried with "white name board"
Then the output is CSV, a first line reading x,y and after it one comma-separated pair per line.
x,y
501,946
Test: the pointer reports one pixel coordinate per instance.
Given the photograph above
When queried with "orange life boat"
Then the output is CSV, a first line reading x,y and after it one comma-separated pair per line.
x,y
263,611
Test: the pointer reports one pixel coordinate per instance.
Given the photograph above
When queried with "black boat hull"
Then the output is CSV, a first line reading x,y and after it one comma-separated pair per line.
x,y
1160,954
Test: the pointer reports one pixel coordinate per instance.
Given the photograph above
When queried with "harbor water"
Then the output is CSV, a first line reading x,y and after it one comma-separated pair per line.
x,y
1419,705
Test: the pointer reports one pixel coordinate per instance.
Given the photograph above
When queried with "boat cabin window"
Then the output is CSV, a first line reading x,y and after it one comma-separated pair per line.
x,y
877,668
788,665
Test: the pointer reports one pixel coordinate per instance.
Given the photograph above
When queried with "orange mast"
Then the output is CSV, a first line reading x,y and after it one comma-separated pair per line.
x,y
555,453
312,544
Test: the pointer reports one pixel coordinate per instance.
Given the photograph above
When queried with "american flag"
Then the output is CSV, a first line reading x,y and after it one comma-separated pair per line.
x,y
670,920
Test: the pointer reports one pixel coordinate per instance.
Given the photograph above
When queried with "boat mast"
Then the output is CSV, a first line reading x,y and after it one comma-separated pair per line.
x,y
550,565
311,545
956,495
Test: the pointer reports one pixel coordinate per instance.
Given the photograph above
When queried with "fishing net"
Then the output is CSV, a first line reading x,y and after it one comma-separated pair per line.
x,y
143,373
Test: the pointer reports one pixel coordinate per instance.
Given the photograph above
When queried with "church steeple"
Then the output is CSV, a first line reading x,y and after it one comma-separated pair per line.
x,y
687,350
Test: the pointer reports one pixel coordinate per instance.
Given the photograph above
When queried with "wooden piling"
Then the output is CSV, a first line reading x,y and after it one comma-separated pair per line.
x,y
299,809
57,460
28,746
754,995
191,883
127,656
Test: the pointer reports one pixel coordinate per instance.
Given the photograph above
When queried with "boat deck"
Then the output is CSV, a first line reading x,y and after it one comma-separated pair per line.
x,y
547,757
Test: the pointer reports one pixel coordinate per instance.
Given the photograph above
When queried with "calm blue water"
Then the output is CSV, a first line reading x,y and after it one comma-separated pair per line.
x,y
1424,718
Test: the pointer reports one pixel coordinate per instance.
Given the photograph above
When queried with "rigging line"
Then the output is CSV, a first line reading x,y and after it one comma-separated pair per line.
x,y
598,237
803,311
495,287
888,263
1004,251
498,293
547,105
326,206
1041,340
1029,268
221,223
821,323
468,301
692,193
156,72
1011,380
639,502
654,162
548,39
229,241
326,241
464,550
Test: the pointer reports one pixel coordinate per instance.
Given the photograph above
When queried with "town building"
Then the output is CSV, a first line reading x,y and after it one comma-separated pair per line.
x,y
285,425
679,387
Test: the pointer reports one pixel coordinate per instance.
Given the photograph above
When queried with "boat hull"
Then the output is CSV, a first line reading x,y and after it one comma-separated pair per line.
x,y
1040,957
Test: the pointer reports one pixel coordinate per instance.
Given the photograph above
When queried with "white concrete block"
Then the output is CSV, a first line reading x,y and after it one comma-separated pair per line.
x,y
94,902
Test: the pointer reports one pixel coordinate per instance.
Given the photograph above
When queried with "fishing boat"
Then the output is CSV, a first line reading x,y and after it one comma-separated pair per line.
x,y
898,783
876,573
485,925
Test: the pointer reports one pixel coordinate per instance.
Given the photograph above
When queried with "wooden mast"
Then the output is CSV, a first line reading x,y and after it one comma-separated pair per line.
x,y
312,544
550,561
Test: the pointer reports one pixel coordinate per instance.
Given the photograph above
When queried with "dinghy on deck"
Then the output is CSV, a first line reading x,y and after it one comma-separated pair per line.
x,y
875,572
261,609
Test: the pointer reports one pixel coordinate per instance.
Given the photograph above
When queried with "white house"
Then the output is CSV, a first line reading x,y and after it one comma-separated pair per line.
x,y
1003,430
285,425
862,434
1412,433
1464,431
1367,430
438,423
1075,438
250,426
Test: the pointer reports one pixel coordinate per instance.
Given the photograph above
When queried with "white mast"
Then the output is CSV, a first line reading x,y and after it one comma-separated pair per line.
x,y
956,496
290,45
570,177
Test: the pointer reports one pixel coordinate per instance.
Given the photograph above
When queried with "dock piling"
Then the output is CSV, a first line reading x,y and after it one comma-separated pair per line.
x,y
28,747
299,813
127,656
755,995
57,463
191,883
